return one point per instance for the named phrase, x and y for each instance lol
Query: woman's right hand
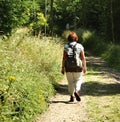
(63, 70)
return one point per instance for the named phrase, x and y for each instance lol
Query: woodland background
(99, 15)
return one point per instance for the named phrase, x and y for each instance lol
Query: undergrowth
(29, 73)
(100, 47)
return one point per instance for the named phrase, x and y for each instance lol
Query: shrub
(28, 76)
(112, 56)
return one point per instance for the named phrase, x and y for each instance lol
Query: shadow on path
(97, 88)
(63, 89)
(98, 63)
(100, 89)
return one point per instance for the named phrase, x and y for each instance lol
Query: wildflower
(41, 17)
(12, 78)
(42, 100)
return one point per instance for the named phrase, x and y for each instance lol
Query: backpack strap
(73, 47)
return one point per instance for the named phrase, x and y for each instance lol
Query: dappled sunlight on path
(105, 69)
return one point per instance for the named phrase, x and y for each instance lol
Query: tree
(116, 19)
(39, 22)
(12, 14)
(15, 14)
(51, 16)
(112, 21)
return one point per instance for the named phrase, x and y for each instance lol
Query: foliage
(112, 56)
(16, 14)
(99, 15)
(99, 47)
(39, 22)
(28, 77)
(13, 14)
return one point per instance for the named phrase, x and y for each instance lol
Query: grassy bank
(29, 73)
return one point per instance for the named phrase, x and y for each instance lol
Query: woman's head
(72, 37)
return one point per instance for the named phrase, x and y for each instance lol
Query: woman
(74, 77)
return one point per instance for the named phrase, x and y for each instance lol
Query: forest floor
(101, 85)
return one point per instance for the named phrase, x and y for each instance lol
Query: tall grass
(100, 47)
(29, 73)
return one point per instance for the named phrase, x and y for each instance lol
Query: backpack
(73, 62)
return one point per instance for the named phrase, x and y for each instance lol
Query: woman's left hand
(84, 70)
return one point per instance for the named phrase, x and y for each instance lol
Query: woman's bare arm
(63, 62)
(83, 61)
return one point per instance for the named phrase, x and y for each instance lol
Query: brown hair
(72, 37)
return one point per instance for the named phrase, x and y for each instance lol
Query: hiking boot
(71, 99)
(77, 97)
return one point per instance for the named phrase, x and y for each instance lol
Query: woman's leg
(71, 83)
(78, 78)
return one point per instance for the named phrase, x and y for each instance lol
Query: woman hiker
(74, 74)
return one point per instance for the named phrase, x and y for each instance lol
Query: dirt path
(62, 111)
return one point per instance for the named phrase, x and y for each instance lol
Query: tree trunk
(51, 19)
(112, 22)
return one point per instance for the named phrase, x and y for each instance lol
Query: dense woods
(51, 16)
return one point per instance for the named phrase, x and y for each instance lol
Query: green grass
(29, 73)
(103, 96)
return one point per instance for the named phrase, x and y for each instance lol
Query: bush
(112, 56)
(28, 76)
